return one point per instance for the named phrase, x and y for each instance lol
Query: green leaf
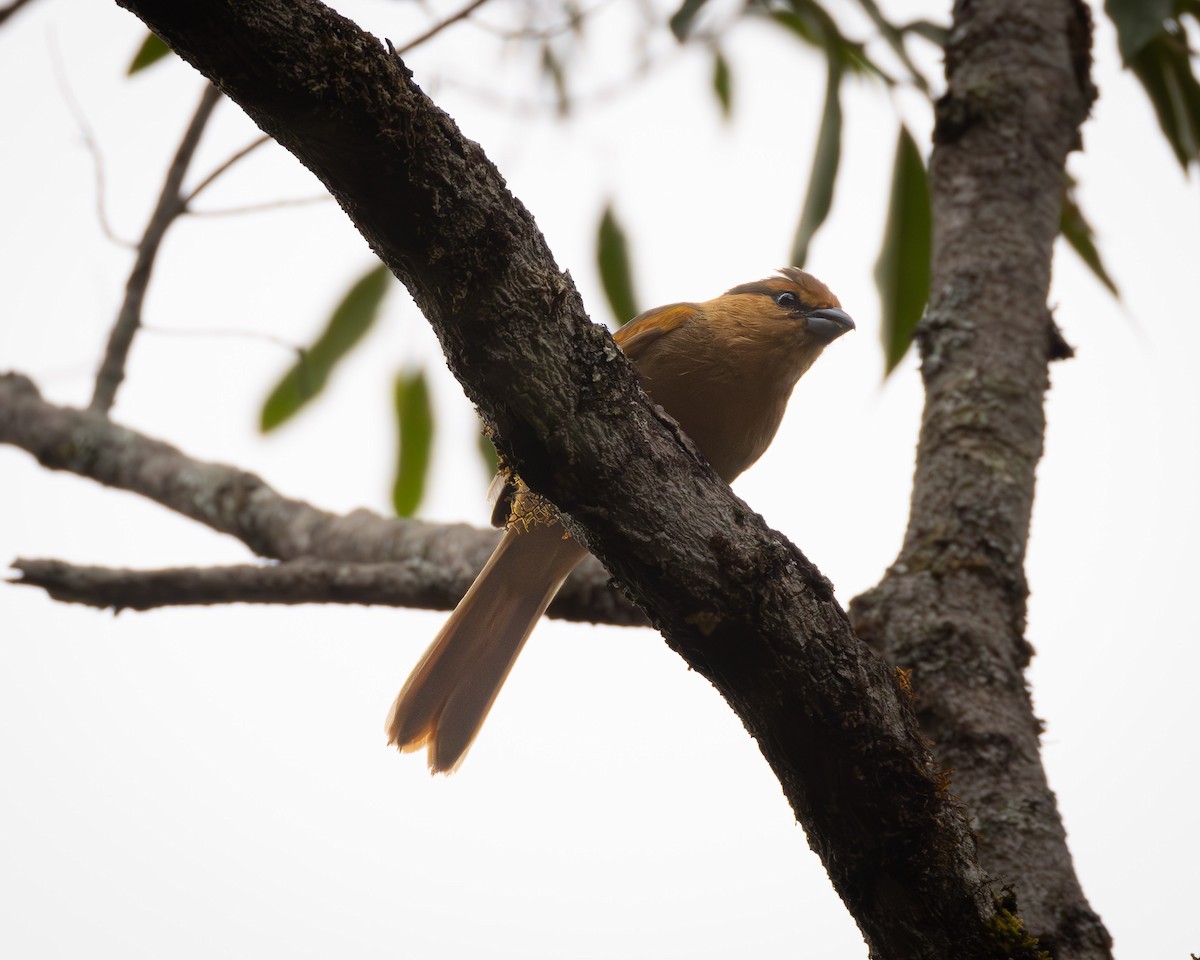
(721, 84)
(825, 166)
(553, 68)
(798, 25)
(811, 23)
(902, 271)
(414, 422)
(1154, 42)
(681, 20)
(348, 323)
(895, 39)
(1137, 22)
(612, 256)
(1078, 233)
(1164, 68)
(151, 51)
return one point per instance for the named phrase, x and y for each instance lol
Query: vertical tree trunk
(952, 606)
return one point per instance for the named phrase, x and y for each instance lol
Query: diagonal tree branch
(358, 558)
(170, 205)
(736, 600)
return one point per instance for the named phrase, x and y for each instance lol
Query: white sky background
(214, 782)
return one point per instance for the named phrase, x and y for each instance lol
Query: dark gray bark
(740, 603)
(952, 606)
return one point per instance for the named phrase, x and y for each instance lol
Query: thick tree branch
(952, 607)
(398, 562)
(170, 205)
(737, 601)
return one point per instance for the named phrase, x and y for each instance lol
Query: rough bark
(952, 606)
(741, 604)
(358, 558)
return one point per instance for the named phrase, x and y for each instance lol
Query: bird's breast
(731, 420)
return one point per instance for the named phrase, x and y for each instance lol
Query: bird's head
(799, 300)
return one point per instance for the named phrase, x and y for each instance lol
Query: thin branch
(437, 28)
(6, 12)
(240, 154)
(426, 564)
(170, 205)
(602, 95)
(405, 583)
(233, 333)
(261, 207)
(573, 22)
(93, 148)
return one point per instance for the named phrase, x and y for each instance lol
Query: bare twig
(399, 562)
(406, 583)
(604, 94)
(93, 148)
(244, 152)
(170, 205)
(437, 28)
(228, 332)
(261, 207)
(573, 22)
(6, 12)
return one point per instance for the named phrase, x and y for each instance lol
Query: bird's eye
(787, 300)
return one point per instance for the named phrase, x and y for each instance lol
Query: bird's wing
(647, 328)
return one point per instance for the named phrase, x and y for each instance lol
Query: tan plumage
(724, 369)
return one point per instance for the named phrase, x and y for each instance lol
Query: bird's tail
(452, 688)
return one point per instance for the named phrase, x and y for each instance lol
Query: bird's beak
(829, 323)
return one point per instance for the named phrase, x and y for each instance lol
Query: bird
(724, 369)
